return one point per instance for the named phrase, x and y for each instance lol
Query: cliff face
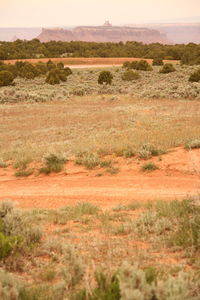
(104, 34)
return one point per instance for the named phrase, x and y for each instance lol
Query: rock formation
(105, 33)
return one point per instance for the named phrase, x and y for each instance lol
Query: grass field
(103, 124)
(80, 162)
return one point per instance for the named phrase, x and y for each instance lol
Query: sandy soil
(178, 177)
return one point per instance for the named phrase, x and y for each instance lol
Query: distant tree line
(22, 49)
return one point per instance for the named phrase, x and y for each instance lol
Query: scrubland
(132, 250)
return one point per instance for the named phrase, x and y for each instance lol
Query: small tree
(157, 62)
(167, 68)
(105, 77)
(67, 71)
(130, 75)
(55, 76)
(6, 78)
(195, 76)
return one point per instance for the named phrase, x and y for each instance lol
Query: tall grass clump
(53, 164)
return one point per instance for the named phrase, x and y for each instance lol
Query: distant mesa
(105, 33)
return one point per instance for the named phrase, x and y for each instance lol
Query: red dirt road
(177, 177)
(84, 60)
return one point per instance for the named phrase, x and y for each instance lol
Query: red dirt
(177, 177)
(83, 60)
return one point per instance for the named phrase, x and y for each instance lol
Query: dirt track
(178, 177)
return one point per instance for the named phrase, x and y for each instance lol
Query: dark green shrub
(68, 71)
(7, 245)
(143, 65)
(53, 164)
(107, 289)
(126, 64)
(195, 76)
(52, 78)
(55, 76)
(130, 75)
(157, 62)
(26, 70)
(149, 167)
(41, 68)
(167, 68)
(105, 77)
(23, 173)
(6, 78)
(60, 66)
(50, 65)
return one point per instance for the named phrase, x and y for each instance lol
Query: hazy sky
(46, 13)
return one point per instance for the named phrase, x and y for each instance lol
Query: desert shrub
(8, 244)
(89, 160)
(23, 173)
(52, 78)
(16, 232)
(105, 77)
(157, 62)
(105, 164)
(195, 76)
(26, 70)
(6, 78)
(194, 144)
(60, 66)
(55, 76)
(167, 68)
(68, 71)
(141, 65)
(3, 164)
(41, 68)
(50, 65)
(149, 167)
(107, 289)
(53, 164)
(147, 151)
(129, 75)
(135, 284)
(126, 64)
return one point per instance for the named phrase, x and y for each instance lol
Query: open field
(105, 181)
(85, 60)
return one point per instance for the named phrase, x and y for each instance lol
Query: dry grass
(95, 124)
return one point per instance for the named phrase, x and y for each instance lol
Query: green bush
(129, 75)
(157, 62)
(50, 65)
(195, 76)
(6, 78)
(105, 77)
(55, 76)
(26, 70)
(68, 71)
(53, 164)
(194, 144)
(141, 65)
(107, 289)
(149, 167)
(41, 68)
(8, 244)
(167, 68)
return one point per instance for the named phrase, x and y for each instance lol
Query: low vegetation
(135, 264)
(195, 76)
(167, 68)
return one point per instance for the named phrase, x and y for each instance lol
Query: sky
(59, 13)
